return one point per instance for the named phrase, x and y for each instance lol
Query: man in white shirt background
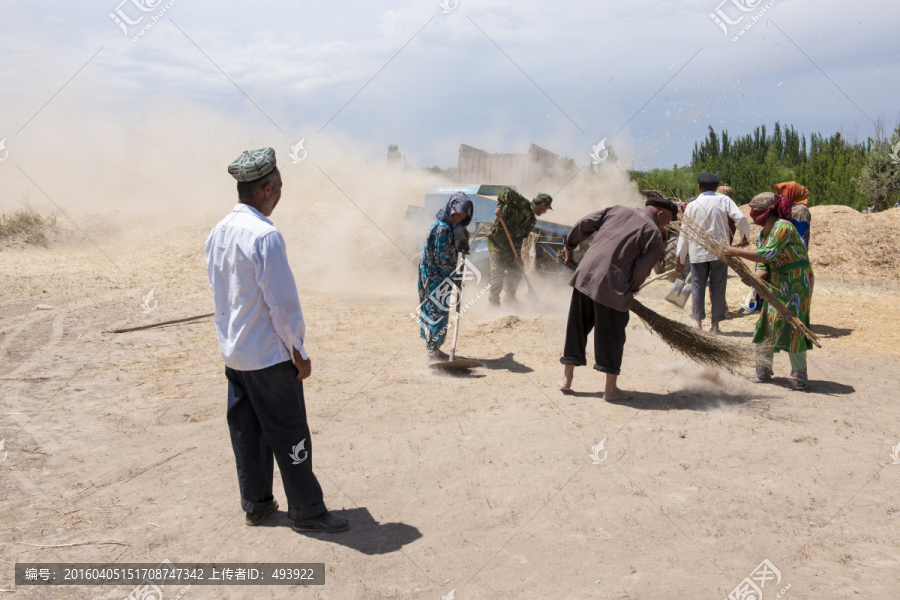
(261, 331)
(711, 210)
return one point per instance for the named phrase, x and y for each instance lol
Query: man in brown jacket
(626, 246)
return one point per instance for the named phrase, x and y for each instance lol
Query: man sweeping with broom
(627, 244)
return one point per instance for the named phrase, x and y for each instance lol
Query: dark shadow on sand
(473, 373)
(507, 363)
(828, 388)
(680, 400)
(366, 535)
(830, 332)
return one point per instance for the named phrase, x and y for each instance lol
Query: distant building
(525, 171)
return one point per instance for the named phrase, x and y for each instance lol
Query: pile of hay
(847, 243)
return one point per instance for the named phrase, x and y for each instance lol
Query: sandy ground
(480, 485)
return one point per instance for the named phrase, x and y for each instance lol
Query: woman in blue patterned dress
(438, 275)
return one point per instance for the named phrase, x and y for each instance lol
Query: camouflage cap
(253, 164)
(545, 199)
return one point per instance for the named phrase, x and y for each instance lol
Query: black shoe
(255, 518)
(327, 522)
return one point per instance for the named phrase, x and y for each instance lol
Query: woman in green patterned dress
(782, 258)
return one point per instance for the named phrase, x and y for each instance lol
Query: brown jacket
(626, 246)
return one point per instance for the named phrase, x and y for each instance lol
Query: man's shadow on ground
(703, 400)
(365, 535)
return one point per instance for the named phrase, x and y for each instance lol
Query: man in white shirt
(261, 330)
(711, 210)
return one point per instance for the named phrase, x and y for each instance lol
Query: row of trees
(835, 170)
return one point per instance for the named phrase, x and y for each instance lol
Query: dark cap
(663, 204)
(708, 179)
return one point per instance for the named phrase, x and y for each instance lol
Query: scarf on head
(766, 204)
(458, 203)
(795, 192)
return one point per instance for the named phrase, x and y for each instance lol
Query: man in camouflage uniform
(519, 215)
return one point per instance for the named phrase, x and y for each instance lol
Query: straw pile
(848, 244)
(691, 342)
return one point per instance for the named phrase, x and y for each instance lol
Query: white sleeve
(740, 220)
(275, 279)
(681, 250)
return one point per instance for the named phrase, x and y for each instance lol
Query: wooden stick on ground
(106, 543)
(163, 323)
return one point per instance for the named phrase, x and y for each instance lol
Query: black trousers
(609, 334)
(267, 418)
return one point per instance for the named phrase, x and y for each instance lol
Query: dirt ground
(469, 487)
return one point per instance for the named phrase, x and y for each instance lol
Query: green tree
(879, 178)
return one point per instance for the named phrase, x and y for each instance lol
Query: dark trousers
(266, 418)
(716, 273)
(609, 334)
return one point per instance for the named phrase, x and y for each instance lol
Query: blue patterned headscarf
(458, 203)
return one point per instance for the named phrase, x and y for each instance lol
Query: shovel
(680, 292)
(453, 364)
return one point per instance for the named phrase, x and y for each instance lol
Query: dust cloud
(342, 212)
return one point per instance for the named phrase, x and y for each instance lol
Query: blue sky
(497, 75)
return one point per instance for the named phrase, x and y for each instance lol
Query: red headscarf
(766, 204)
(792, 190)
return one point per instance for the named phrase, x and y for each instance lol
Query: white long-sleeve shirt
(711, 211)
(258, 314)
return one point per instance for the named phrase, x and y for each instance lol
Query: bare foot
(565, 384)
(616, 394)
